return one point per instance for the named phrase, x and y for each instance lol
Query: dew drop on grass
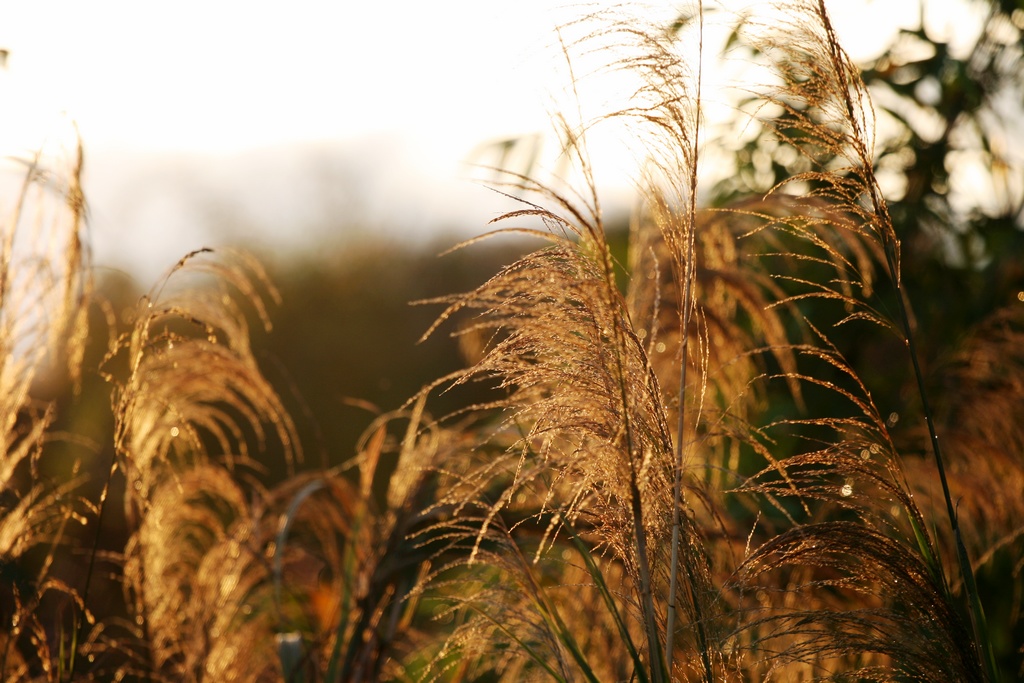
(847, 490)
(865, 454)
(174, 432)
(660, 347)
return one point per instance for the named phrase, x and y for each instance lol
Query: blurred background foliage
(949, 125)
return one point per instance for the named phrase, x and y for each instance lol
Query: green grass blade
(534, 655)
(609, 600)
(977, 612)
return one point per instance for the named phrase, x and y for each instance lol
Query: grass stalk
(654, 646)
(612, 303)
(609, 602)
(689, 278)
(891, 249)
(79, 621)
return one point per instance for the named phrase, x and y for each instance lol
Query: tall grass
(680, 475)
(44, 291)
(628, 446)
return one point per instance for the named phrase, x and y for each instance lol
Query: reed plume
(589, 457)
(45, 288)
(682, 472)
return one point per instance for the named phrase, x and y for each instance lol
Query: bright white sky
(218, 78)
(224, 75)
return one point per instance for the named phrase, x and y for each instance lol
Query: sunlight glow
(231, 75)
(175, 102)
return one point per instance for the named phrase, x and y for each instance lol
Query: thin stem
(891, 248)
(687, 308)
(636, 505)
(79, 621)
(596, 231)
